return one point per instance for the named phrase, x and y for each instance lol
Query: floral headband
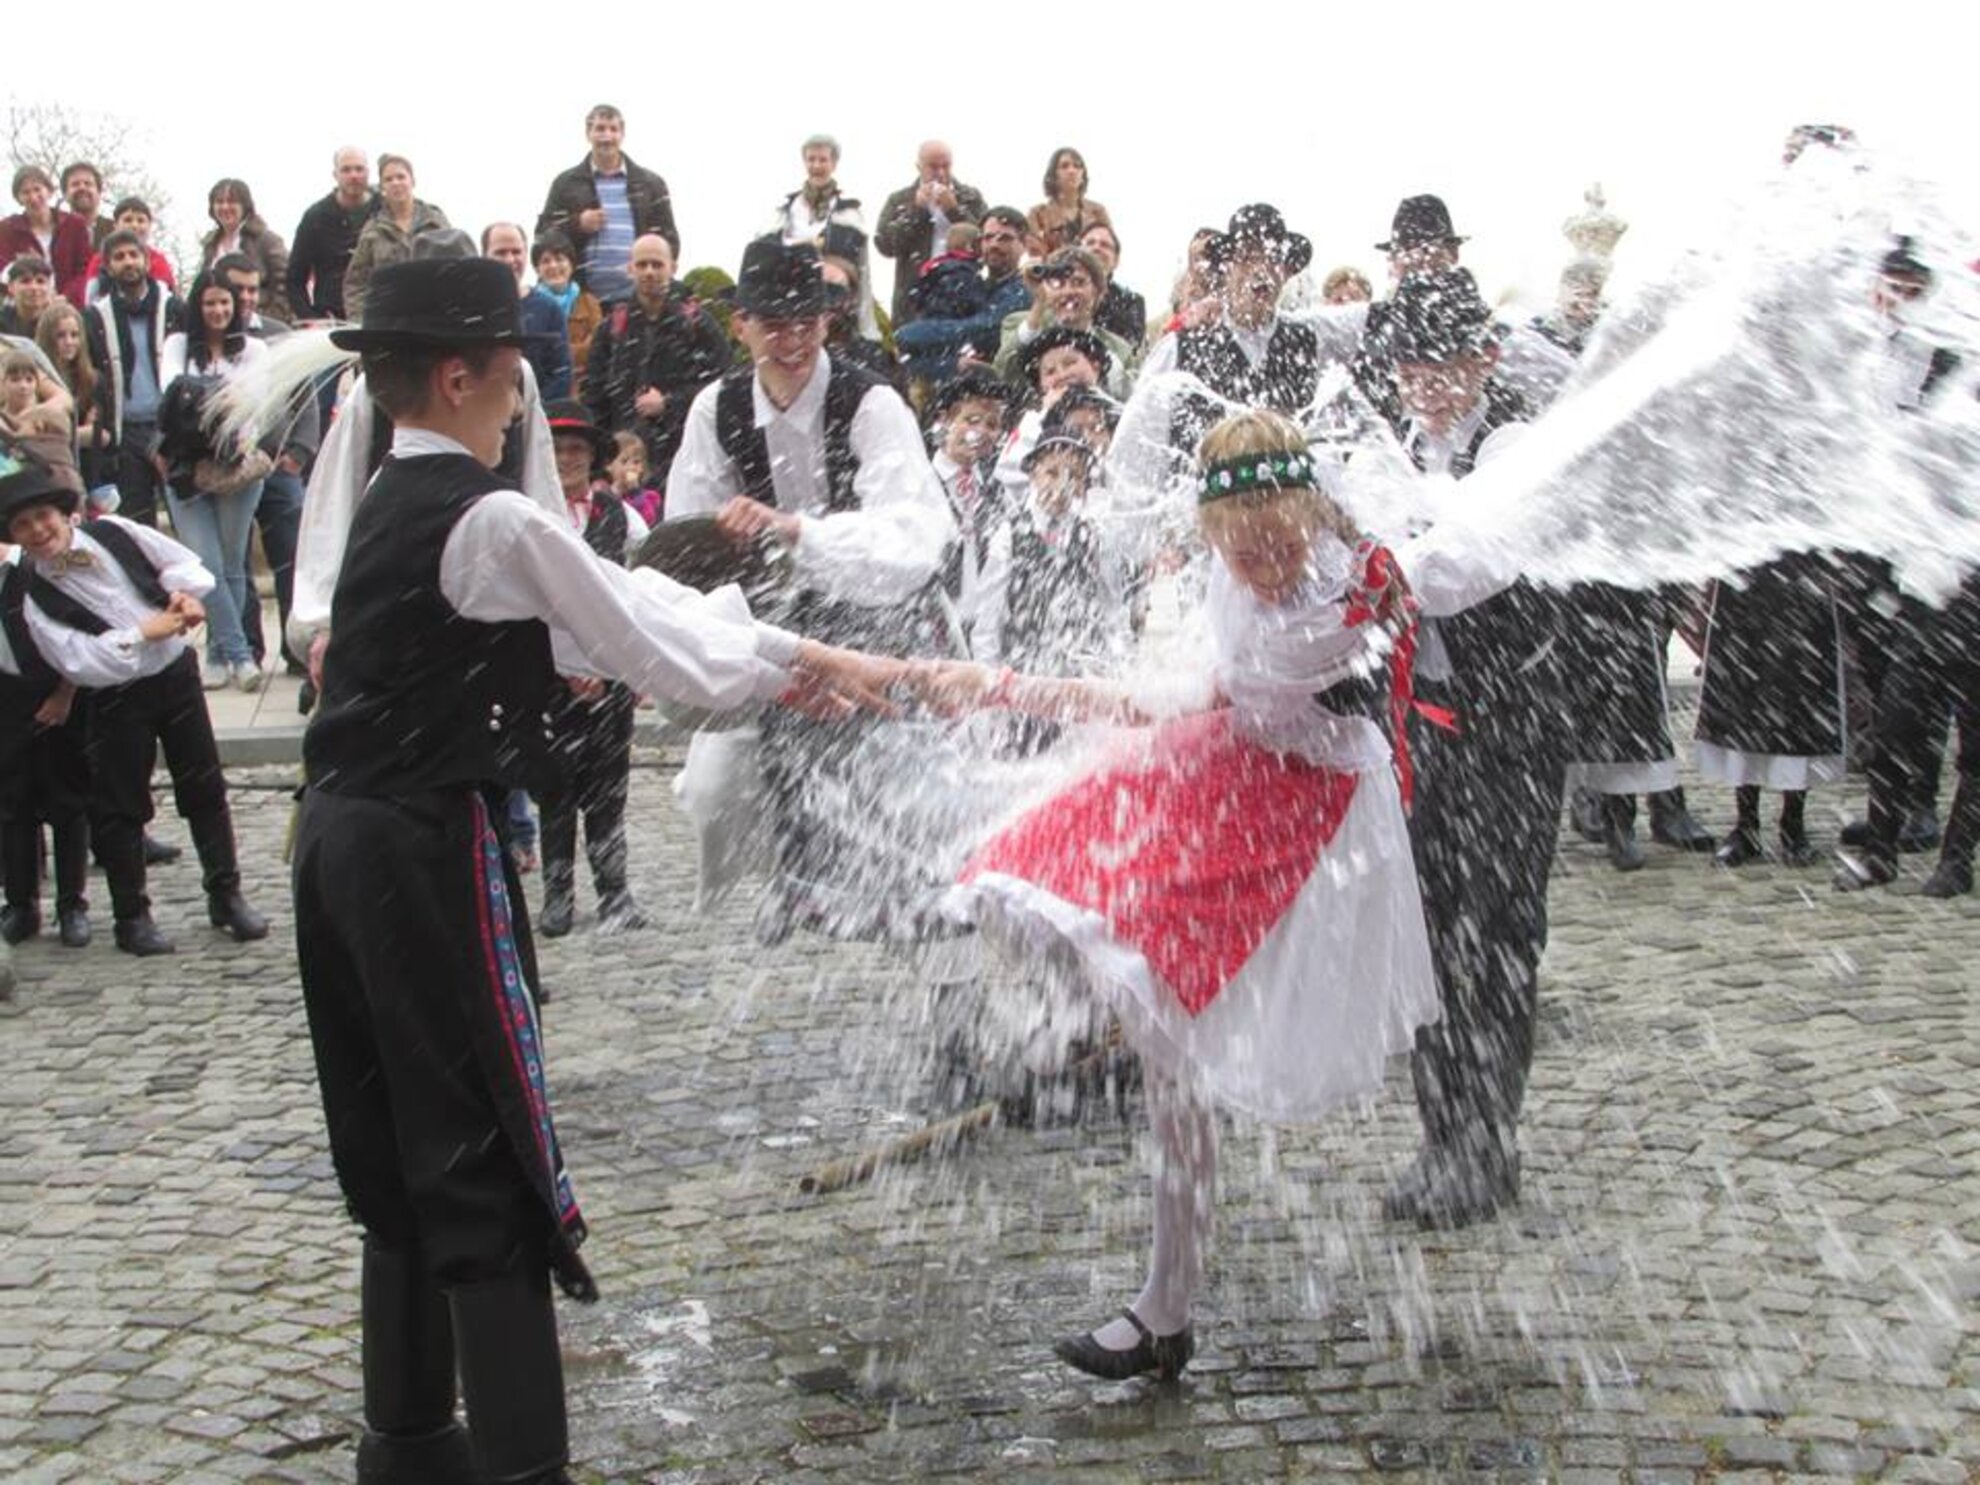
(1256, 472)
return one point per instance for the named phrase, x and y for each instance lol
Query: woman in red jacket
(42, 231)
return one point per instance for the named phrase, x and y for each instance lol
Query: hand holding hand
(953, 687)
(830, 682)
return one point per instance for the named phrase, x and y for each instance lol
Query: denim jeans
(217, 528)
(280, 517)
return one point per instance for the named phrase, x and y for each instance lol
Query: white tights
(1185, 1181)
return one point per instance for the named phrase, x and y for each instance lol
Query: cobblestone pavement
(1750, 1247)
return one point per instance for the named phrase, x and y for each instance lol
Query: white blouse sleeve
(887, 550)
(507, 559)
(335, 483)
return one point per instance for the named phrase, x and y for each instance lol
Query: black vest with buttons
(1284, 381)
(416, 697)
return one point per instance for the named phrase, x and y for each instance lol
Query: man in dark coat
(1490, 753)
(915, 222)
(654, 351)
(605, 203)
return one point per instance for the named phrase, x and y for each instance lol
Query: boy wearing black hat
(107, 606)
(1490, 771)
(592, 719)
(412, 936)
(827, 460)
(44, 778)
(966, 425)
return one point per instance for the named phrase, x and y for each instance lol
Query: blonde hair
(1258, 432)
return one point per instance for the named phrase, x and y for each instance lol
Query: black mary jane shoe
(1164, 1355)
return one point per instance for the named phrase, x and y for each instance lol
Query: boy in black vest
(108, 606)
(828, 460)
(1490, 747)
(44, 778)
(418, 969)
(965, 424)
(592, 719)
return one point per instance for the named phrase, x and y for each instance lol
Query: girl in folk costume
(1770, 715)
(1235, 885)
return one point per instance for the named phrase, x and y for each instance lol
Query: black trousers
(127, 726)
(594, 750)
(44, 778)
(137, 477)
(423, 1048)
(1934, 668)
(1483, 829)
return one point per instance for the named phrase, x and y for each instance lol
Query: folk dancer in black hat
(44, 776)
(592, 719)
(825, 459)
(1423, 240)
(108, 606)
(1886, 624)
(1490, 747)
(414, 943)
(1249, 353)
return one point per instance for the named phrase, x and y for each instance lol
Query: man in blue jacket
(929, 348)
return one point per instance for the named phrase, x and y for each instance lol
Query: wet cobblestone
(1749, 1248)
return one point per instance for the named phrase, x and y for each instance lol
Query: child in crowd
(1064, 612)
(627, 477)
(1235, 885)
(1057, 362)
(43, 776)
(965, 424)
(591, 720)
(108, 606)
(950, 286)
(44, 428)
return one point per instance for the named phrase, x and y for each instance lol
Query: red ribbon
(1382, 595)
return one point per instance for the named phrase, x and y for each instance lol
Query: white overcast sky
(1182, 112)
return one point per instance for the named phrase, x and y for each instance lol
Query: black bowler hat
(842, 240)
(1260, 223)
(27, 481)
(1077, 399)
(1085, 342)
(974, 381)
(568, 416)
(783, 281)
(1419, 221)
(442, 302)
(1436, 317)
(1902, 261)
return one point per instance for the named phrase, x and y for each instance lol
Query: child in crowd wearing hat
(44, 778)
(1235, 884)
(591, 719)
(1058, 361)
(966, 423)
(108, 605)
(1064, 611)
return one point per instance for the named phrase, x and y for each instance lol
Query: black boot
(1954, 875)
(559, 898)
(411, 1437)
(1742, 843)
(213, 838)
(1671, 823)
(140, 936)
(1619, 832)
(1796, 849)
(1585, 811)
(617, 912)
(512, 1374)
(72, 880)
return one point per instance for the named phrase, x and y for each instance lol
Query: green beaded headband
(1256, 472)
